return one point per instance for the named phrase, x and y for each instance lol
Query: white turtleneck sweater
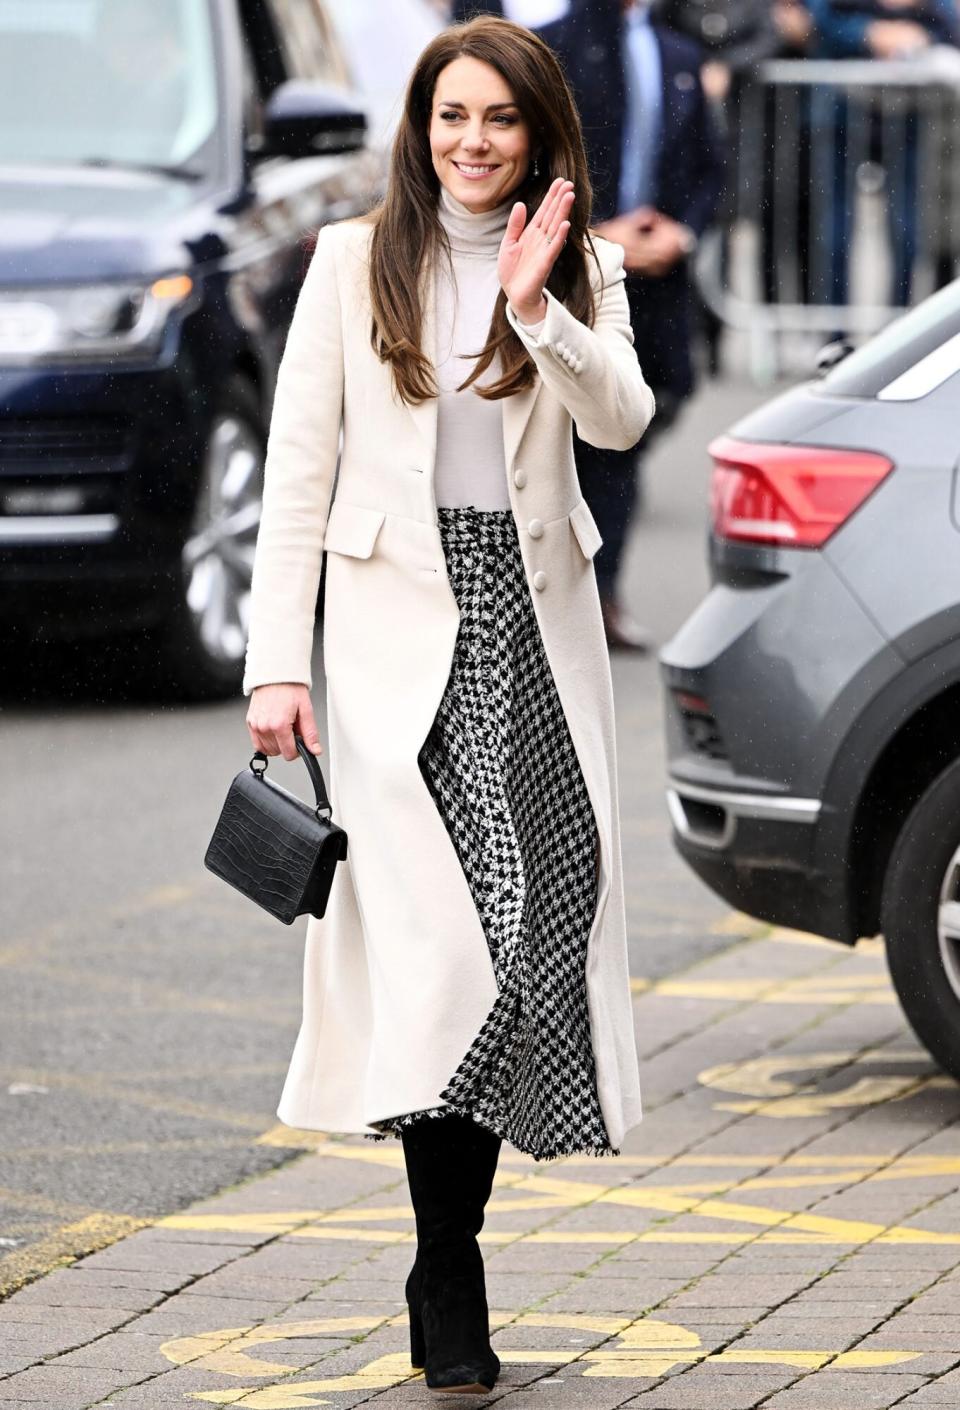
(470, 468)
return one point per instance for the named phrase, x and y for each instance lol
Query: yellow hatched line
(867, 988)
(75, 1240)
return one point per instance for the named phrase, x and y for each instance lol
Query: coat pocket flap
(352, 529)
(584, 527)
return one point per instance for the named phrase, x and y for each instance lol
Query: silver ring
(549, 239)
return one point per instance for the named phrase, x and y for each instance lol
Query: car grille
(55, 445)
(61, 466)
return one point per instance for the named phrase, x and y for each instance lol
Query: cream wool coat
(398, 978)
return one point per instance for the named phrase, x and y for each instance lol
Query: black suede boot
(451, 1162)
(418, 1350)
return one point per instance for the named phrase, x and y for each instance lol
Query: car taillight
(795, 496)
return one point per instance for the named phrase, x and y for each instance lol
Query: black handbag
(275, 848)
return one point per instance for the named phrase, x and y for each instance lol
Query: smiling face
(479, 142)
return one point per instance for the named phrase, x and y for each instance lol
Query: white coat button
(539, 581)
(535, 528)
(562, 349)
(519, 478)
(578, 365)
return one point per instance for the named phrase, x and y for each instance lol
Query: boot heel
(418, 1346)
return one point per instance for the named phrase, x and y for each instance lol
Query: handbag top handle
(313, 769)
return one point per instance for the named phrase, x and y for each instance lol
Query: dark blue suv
(160, 164)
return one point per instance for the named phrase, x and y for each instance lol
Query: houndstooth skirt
(501, 767)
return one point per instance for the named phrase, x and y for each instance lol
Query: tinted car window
(898, 347)
(101, 81)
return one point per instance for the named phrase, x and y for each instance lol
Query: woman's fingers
(286, 746)
(307, 728)
(561, 211)
(556, 243)
(529, 252)
(564, 188)
(275, 712)
(545, 210)
(516, 221)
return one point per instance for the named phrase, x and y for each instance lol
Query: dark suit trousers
(660, 317)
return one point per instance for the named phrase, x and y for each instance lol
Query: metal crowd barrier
(843, 199)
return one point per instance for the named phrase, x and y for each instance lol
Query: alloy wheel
(218, 555)
(948, 922)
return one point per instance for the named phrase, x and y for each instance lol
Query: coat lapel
(516, 414)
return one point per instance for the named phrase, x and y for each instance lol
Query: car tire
(920, 919)
(204, 639)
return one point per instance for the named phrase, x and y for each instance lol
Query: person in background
(736, 36)
(870, 29)
(786, 228)
(656, 162)
(532, 13)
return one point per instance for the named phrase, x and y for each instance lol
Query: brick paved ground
(783, 1230)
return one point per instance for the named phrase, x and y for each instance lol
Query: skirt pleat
(501, 767)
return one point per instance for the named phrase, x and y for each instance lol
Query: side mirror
(303, 119)
(831, 354)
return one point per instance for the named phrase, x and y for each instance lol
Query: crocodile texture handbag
(276, 849)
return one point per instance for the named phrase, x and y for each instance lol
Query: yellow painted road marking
(777, 1095)
(292, 1137)
(867, 988)
(645, 1347)
(509, 1160)
(833, 1230)
(814, 1360)
(700, 1199)
(779, 1226)
(86, 1235)
(744, 927)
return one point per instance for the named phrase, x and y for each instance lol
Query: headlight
(93, 322)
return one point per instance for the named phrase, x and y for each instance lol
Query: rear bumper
(710, 817)
(757, 851)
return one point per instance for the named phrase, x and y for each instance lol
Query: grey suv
(813, 698)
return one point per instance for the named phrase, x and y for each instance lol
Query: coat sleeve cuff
(533, 335)
(529, 332)
(558, 336)
(281, 658)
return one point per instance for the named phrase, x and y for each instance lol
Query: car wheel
(920, 917)
(207, 635)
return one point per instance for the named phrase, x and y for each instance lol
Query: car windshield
(106, 82)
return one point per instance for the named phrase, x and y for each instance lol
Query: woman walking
(469, 982)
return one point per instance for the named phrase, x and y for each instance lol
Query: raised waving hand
(529, 250)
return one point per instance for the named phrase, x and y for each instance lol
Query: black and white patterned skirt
(501, 767)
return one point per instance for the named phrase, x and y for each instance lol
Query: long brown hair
(408, 236)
